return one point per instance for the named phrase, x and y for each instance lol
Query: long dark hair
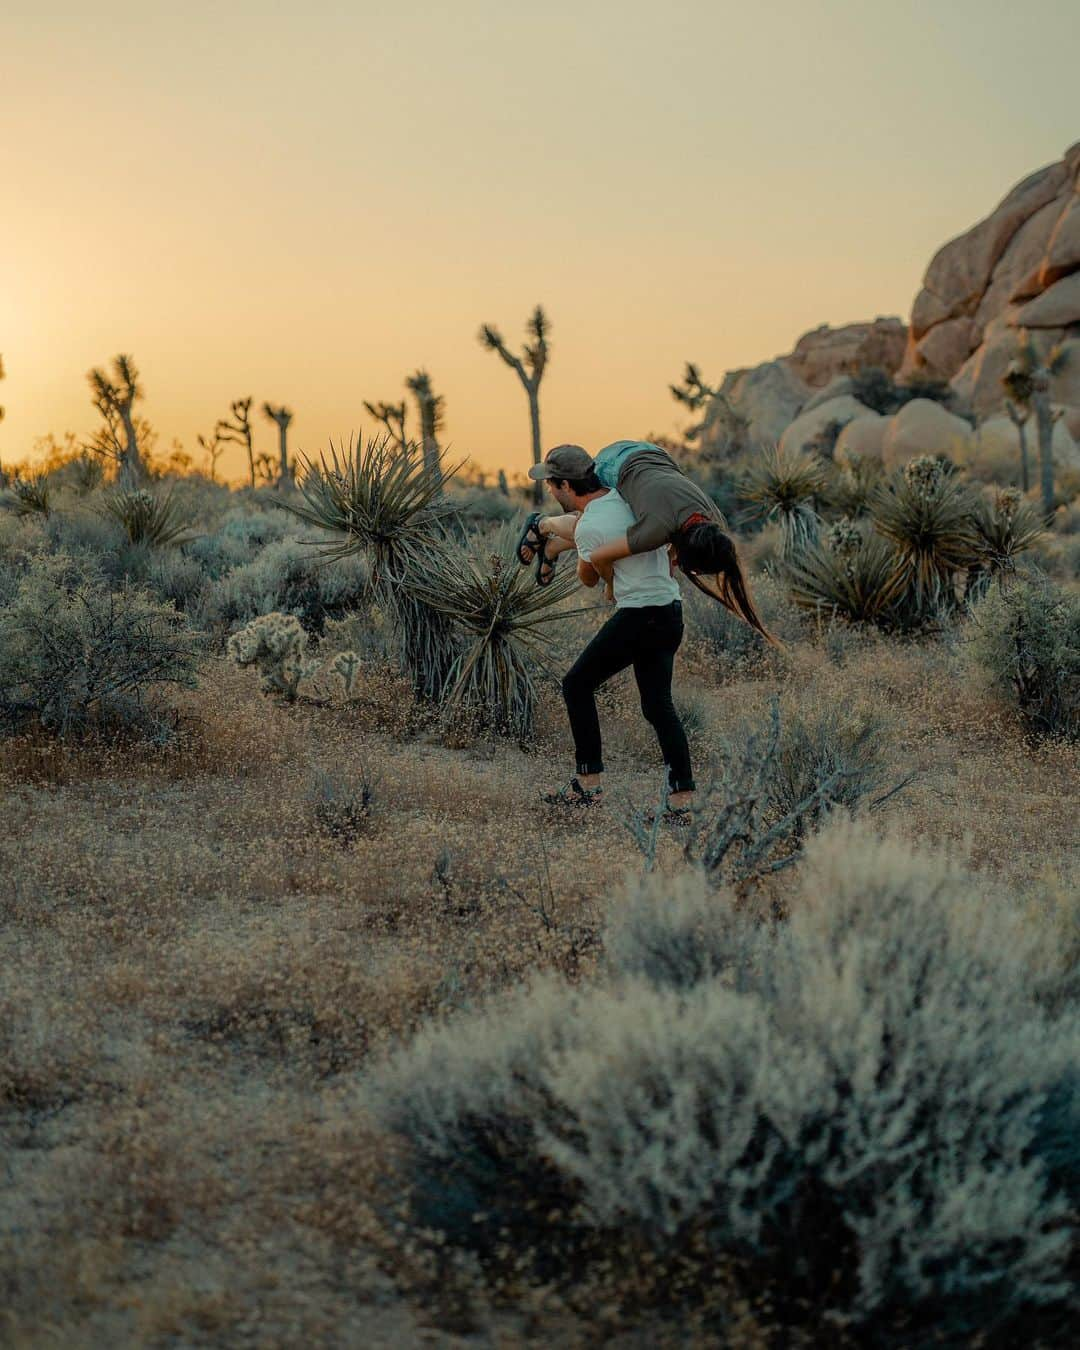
(705, 550)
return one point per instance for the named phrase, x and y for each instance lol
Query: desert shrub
(341, 805)
(1025, 637)
(875, 388)
(148, 518)
(29, 494)
(479, 509)
(239, 537)
(815, 1106)
(291, 577)
(782, 486)
(177, 577)
(276, 645)
(75, 653)
(829, 756)
(500, 614)
(84, 530)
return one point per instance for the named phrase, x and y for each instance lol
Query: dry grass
(195, 976)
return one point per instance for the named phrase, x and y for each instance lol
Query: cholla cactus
(276, 645)
(924, 474)
(347, 665)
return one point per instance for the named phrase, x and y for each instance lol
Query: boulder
(993, 455)
(923, 427)
(946, 347)
(1065, 386)
(862, 438)
(836, 388)
(768, 396)
(824, 353)
(1056, 307)
(1063, 248)
(959, 272)
(809, 425)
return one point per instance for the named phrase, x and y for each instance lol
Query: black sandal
(542, 561)
(573, 794)
(530, 537)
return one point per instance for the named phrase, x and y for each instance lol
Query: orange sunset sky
(306, 202)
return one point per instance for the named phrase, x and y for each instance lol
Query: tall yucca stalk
(385, 499)
(928, 517)
(502, 614)
(1006, 526)
(781, 486)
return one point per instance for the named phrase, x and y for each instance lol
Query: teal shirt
(610, 460)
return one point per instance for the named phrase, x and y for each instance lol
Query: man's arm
(587, 574)
(604, 556)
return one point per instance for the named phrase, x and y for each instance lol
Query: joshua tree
(1018, 416)
(213, 448)
(392, 417)
(694, 393)
(530, 369)
(114, 399)
(1027, 384)
(431, 407)
(239, 430)
(282, 416)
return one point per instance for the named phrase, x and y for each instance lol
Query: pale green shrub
(76, 654)
(276, 645)
(1025, 637)
(851, 1109)
(288, 576)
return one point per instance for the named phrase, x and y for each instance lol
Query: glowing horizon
(308, 206)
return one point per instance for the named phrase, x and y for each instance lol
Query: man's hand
(609, 590)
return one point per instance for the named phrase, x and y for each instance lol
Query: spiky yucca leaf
(929, 519)
(1006, 526)
(378, 494)
(850, 488)
(781, 486)
(29, 496)
(147, 518)
(858, 583)
(481, 589)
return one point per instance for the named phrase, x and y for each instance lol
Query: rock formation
(1018, 268)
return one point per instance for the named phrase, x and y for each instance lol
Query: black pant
(647, 639)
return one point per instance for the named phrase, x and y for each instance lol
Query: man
(644, 632)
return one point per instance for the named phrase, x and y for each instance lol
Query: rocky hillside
(1017, 268)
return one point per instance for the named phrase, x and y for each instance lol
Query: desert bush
(502, 613)
(814, 1106)
(386, 502)
(782, 486)
(276, 645)
(730, 642)
(76, 654)
(1025, 637)
(29, 494)
(177, 577)
(341, 805)
(146, 518)
(292, 577)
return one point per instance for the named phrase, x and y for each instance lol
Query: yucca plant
(501, 614)
(782, 486)
(1006, 526)
(384, 499)
(30, 496)
(928, 517)
(145, 517)
(850, 488)
(855, 579)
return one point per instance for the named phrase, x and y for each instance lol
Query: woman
(669, 509)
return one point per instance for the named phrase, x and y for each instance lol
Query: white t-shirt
(643, 578)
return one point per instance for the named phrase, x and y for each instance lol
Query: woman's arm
(604, 556)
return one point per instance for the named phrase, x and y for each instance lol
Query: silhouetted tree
(431, 408)
(530, 367)
(214, 448)
(694, 394)
(115, 400)
(239, 431)
(1018, 416)
(1027, 384)
(282, 416)
(392, 417)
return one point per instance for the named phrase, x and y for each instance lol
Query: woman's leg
(560, 527)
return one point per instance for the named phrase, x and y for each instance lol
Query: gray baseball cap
(565, 461)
